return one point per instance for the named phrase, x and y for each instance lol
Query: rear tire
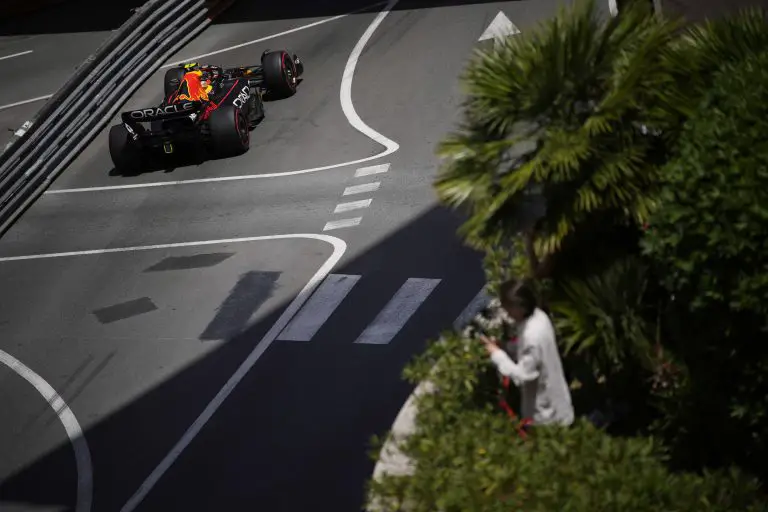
(280, 74)
(125, 156)
(172, 81)
(230, 134)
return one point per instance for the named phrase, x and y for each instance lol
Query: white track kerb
(71, 426)
(347, 106)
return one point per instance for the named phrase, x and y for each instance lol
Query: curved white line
(345, 96)
(72, 427)
(273, 36)
(339, 248)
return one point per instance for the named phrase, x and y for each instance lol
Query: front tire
(280, 74)
(125, 156)
(230, 134)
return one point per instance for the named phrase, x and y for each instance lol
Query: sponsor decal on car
(161, 111)
(242, 98)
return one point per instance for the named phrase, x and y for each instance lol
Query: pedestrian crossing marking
(319, 307)
(397, 311)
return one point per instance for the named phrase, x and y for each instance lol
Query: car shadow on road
(294, 434)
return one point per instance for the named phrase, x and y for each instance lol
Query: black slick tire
(280, 74)
(125, 156)
(172, 81)
(230, 134)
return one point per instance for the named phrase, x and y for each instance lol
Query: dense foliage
(645, 141)
(470, 457)
(710, 242)
(560, 110)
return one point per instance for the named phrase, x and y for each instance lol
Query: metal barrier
(93, 95)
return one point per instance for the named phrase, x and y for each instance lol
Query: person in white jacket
(538, 372)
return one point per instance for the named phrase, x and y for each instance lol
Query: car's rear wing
(146, 115)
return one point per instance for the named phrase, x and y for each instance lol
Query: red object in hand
(525, 422)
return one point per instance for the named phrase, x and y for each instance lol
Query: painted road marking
(474, 307)
(197, 57)
(71, 426)
(16, 55)
(345, 96)
(397, 311)
(342, 223)
(273, 36)
(373, 169)
(500, 28)
(339, 248)
(19, 103)
(360, 189)
(310, 236)
(319, 308)
(352, 205)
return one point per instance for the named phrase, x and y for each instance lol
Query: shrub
(709, 239)
(469, 457)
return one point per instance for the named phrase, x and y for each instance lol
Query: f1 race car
(207, 106)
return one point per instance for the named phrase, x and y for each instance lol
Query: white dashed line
(398, 311)
(343, 223)
(319, 308)
(16, 55)
(71, 426)
(360, 189)
(373, 169)
(353, 205)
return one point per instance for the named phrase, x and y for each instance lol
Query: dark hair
(518, 293)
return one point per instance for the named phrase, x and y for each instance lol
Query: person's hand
(491, 345)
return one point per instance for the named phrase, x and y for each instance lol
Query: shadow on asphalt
(294, 434)
(98, 15)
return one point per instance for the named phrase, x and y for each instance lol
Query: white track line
(474, 307)
(71, 426)
(339, 248)
(345, 96)
(19, 103)
(190, 59)
(398, 311)
(273, 36)
(360, 189)
(342, 223)
(352, 205)
(373, 169)
(319, 308)
(178, 245)
(16, 55)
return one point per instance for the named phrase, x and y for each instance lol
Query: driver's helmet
(191, 66)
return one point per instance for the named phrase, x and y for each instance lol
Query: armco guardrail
(93, 95)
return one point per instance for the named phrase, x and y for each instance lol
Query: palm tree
(567, 111)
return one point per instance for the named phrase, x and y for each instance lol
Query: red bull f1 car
(207, 106)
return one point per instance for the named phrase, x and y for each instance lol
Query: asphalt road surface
(168, 316)
(38, 53)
